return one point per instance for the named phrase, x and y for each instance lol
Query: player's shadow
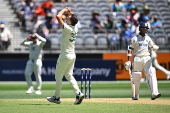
(35, 104)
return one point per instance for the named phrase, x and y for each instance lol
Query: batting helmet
(145, 25)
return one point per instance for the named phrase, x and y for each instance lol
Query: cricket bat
(133, 85)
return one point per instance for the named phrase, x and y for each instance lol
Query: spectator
(108, 24)
(44, 8)
(21, 3)
(5, 36)
(125, 35)
(26, 12)
(135, 28)
(130, 5)
(120, 23)
(146, 10)
(144, 19)
(96, 23)
(64, 2)
(140, 19)
(36, 24)
(43, 32)
(48, 22)
(118, 6)
(51, 18)
(155, 23)
(134, 15)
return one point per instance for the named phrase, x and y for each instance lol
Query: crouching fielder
(142, 62)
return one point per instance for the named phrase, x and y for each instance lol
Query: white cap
(131, 0)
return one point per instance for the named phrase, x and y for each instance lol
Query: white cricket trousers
(64, 67)
(144, 64)
(34, 66)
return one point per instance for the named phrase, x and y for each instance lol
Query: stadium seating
(84, 9)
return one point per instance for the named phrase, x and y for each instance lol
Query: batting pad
(152, 81)
(136, 78)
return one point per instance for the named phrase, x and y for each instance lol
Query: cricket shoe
(134, 98)
(30, 90)
(54, 99)
(79, 98)
(168, 77)
(38, 92)
(155, 96)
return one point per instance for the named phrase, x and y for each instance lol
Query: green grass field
(111, 97)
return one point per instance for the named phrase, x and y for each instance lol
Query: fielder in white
(67, 57)
(143, 62)
(35, 44)
(157, 66)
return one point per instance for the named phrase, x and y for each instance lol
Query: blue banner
(101, 70)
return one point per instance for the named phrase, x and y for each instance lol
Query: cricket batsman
(35, 44)
(142, 62)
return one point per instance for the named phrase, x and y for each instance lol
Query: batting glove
(127, 65)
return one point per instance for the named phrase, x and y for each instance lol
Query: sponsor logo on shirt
(143, 44)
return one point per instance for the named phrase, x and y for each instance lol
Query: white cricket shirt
(67, 41)
(141, 44)
(35, 49)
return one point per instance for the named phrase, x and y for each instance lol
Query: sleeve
(151, 43)
(67, 26)
(132, 44)
(159, 23)
(25, 43)
(68, 29)
(43, 40)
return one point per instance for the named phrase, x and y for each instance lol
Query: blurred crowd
(40, 17)
(127, 25)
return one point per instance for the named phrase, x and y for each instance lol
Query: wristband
(129, 54)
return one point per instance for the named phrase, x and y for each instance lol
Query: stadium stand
(83, 8)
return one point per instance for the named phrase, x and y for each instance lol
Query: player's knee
(68, 77)
(136, 76)
(150, 72)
